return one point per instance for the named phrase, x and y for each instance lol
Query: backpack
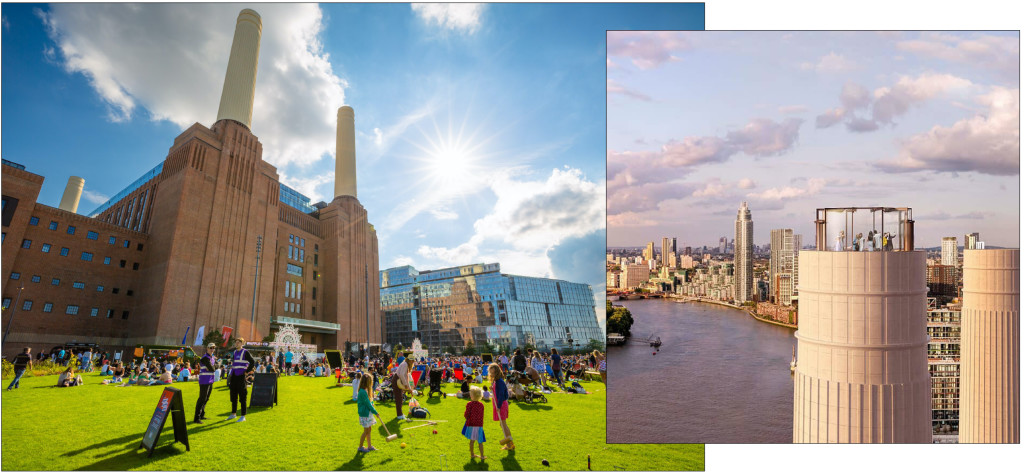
(418, 412)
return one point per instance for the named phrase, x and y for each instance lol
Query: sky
(480, 131)
(699, 122)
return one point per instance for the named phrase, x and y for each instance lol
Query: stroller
(436, 376)
(525, 394)
(385, 393)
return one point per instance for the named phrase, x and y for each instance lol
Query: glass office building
(449, 309)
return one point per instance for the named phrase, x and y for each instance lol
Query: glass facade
(129, 189)
(295, 199)
(448, 309)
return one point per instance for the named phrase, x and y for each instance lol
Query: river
(721, 377)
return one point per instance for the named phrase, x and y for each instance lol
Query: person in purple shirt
(206, 371)
(241, 365)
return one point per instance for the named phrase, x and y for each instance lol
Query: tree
(594, 345)
(619, 320)
(269, 338)
(470, 349)
(449, 349)
(213, 337)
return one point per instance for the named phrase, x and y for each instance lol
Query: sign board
(170, 403)
(334, 358)
(264, 390)
(139, 352)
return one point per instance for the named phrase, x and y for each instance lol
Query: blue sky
(480, 128)
(792, 121)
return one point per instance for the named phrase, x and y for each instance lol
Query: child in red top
(474, 428)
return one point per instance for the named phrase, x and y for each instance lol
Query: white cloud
(444, 214)
(458, 17)
(814, 186)
(987, 142)
(1001, 53)
(527, 220)
(831, 63)
(647, 49)
(746, 184)
(616, 88)
(94, 197)
(309, 185)
(888, 102)
(378, 137)
(793, 109)
(170, 60)
(714, 188)
(400, 261)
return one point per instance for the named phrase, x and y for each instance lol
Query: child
(365, 404)
(499, 395)
(474, 428)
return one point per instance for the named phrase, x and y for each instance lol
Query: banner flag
(200, 333)
(185, 338)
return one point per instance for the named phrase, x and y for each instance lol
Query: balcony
(867, 229)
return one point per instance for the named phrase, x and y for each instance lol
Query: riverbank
(737, 307)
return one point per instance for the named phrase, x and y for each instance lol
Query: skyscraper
(665, 251)
(674, 250)
(780, 267)
(649, 252)
(949, 251)
(744, 256)
(971, 241)
(990, 347)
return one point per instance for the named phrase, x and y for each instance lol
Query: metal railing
(864, 229)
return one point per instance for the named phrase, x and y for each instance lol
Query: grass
(315, 427)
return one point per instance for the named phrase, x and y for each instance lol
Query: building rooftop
(867, 228)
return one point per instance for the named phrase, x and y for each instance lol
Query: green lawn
(315, 427)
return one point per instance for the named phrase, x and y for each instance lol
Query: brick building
(177, 249)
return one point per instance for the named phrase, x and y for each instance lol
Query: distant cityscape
(765, 281)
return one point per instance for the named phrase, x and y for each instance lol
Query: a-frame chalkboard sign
(170, 404)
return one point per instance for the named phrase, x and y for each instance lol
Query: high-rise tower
(345, 154)
(949, 251)
(990, 347)
(744, 255)
(781, 264)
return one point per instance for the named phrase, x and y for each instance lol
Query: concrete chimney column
(240, 81)
(72, 194)
(345, 154)
(990, 347)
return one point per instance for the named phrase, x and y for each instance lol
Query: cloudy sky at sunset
(699, 122)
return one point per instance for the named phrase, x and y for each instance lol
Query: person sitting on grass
(499, 392)
(474, 427)
(164, 379)
(185, 373)
(67, 378)
(365, 407)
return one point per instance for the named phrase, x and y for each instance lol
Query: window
(298, 291)
(36, 279)
(303, 244)
(316, 259)
(314, 293)
(106, 261)
(302, 254)
(294, 270)
(47, 307)
(94, 312)
(71, 310)
(314, 311)
(27, 305)
(7, 303)
(3, 237)
(139, 247)
(78, 285)
(55, 281)
(291, 238)
(290, 251)
(124, 315)
(15, 275)
(87, 256)
(112, 240)
(71, 229)
(115, 290)
(110, 313)
(315, 274)
(127, 243)
(46, 248)
(64, 251)
(123, 263)
(53, 226)
(26, 244)
(316, 248)
(99, 288)
(92, 235)
(135, 266)
(130, 292)
(298, 308)
(33, 221)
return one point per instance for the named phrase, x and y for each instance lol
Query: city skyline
(472, 121)
(837, 119)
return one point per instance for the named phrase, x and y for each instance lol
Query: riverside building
(744, 255)
(944, 368)
(208, 238)
(449, 309)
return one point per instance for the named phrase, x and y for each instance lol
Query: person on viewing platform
(241, 365)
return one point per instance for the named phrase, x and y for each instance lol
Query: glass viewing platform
(864, 229)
